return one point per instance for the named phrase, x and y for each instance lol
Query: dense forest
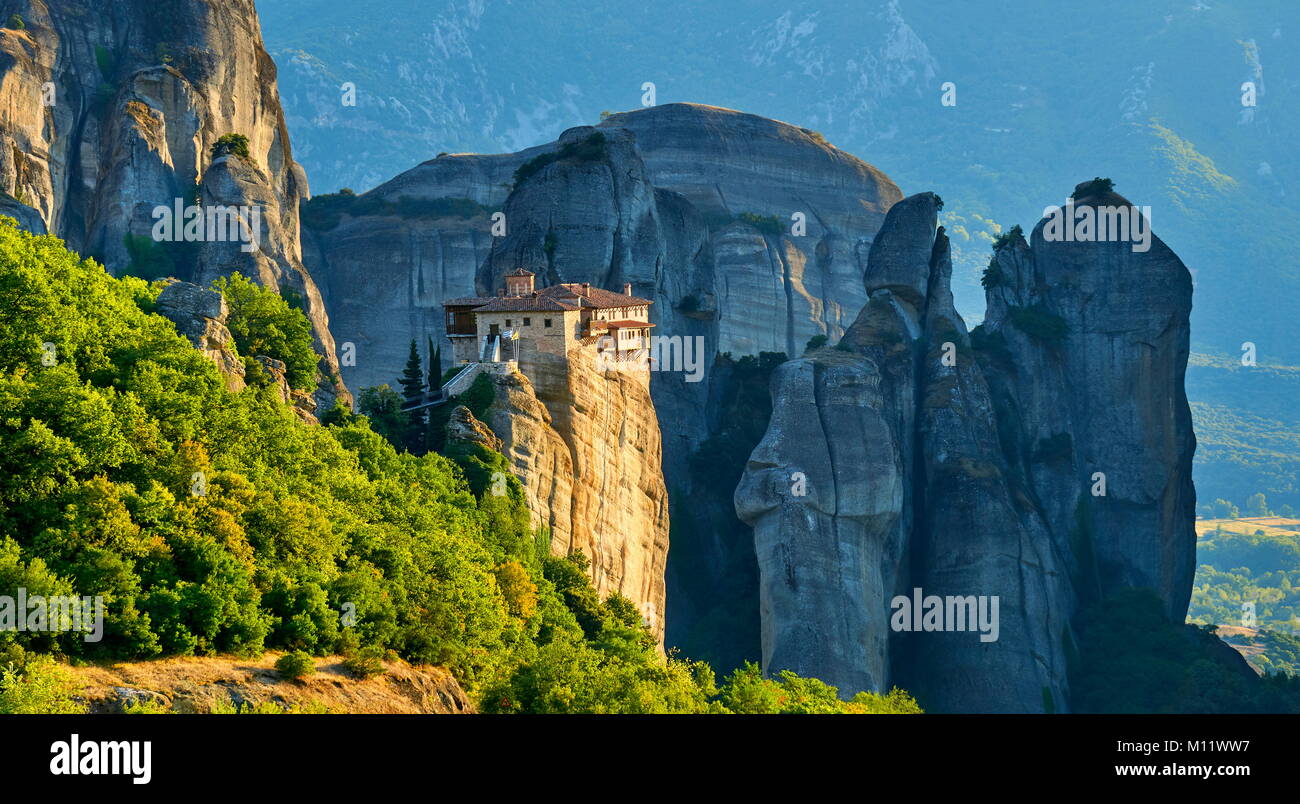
(217, 522)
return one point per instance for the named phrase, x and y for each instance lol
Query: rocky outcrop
(275, 373)
(462, 427)
(200, 315)
(112, 112)
(1043, 460)
(584, 442)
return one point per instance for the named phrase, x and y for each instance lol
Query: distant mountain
(1044, 93)
(1148, 94)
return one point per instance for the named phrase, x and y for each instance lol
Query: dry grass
(198, 685)
(1271, 525)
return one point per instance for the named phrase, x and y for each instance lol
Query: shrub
(591, 149)
(816, 136)
(815, 342)
(149, 259)
(747, 692)
(146, 706)
(1098, 186)
(106, 62)
(767, 224)
(366, 662)
(1009, 236)
(1037, 322)
(323, 212)
(295, 665)
(993, 276)
(236, 144)
(41, 687)
(991, 342)
(16, 22)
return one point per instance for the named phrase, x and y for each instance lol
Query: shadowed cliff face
(659, 205)
(692, 205)
(973, 466)
(113, 109)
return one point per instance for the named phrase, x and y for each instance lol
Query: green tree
(383, 407)
(1257, 505)
(435, 368)
(263, 323)
(412, 382)
(236, 144)
(218, 522)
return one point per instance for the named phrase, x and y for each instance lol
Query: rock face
(749, 234)
(584, 442)
(1044, 461)
(200, 315)
(112, 111)
(691, 204)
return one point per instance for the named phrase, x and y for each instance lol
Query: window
(528, 322)
(546, 322)
(507, 322)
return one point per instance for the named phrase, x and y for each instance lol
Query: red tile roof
(525, 304)
(566, 296)
(596, 297)
(468, 301)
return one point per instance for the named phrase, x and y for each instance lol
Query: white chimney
(627, 288)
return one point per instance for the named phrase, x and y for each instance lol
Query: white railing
(461, 381)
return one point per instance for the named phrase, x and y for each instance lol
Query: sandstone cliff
(111, 110)
(584, 442)
(970, 465)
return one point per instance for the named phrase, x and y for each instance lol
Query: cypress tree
(413, 393)
(435, 368)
